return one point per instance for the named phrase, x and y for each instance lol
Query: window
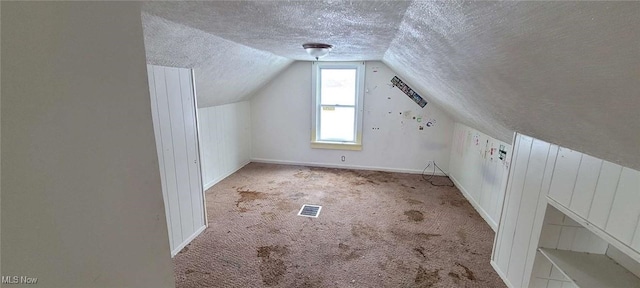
(338, 92)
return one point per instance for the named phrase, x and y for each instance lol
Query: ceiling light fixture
(317, 50)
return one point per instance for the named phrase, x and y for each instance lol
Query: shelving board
(588, 270)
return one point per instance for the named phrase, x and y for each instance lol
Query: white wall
(225, 140)
(81, 201)
(281, 125)
(478, 171)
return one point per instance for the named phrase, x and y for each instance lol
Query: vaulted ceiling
(564, 72)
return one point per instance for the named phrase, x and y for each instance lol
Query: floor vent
(310, 210)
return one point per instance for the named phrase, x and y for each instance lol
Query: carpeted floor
(375, 229)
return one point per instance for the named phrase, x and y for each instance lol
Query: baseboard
(475, 204)
(502, 275)
(341, 166)
(187, 241)
(215, 181)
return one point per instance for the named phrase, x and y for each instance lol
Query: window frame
(316, 105)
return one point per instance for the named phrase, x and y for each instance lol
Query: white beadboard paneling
(227, 146)
(555, 284)
(568, 285)
(478, 172)
(168, 176)
(635, 241)
(527, 209)
(193, 158)
(625, 210)
(511, 212)
(540, 216)
(498, 246)
(567, 236)
(173, 104)
(585, 185)
(564, 175)
(178, 133)
(605, 191)
(539, 283)
(159, 147)
(550, 236)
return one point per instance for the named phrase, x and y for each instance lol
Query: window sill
(336, 146)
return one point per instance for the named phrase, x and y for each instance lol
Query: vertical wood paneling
(540, 215)
(159, 148)
(515, 195)
(479, 175)
(172, 80)
(565, 173)
(635, 242)
(604, 193)
(164, 122)
(499, 246)
(582, 186)
(585, 185)
(527, 210)
(176, 138)
(625, 210)
(193, 161)
(203, 132)
(227, 140)
(215, 162)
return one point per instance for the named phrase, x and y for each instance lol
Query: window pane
(336, 123)
(338, 86)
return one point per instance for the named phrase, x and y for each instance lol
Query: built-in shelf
(587, 270)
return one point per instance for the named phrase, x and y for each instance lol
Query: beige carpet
(375, 229)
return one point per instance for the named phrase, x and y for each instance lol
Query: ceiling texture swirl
(564, 72)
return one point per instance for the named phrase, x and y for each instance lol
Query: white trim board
(217, 180)
(484, 214)
(340, 166)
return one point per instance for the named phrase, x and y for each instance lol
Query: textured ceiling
(359, 30)
(564, 72)
(225, 71)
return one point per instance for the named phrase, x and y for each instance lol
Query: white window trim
(315, 108)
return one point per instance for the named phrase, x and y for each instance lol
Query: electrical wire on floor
(430, 178)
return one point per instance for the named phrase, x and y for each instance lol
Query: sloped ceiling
(564, 72)
(225, 71)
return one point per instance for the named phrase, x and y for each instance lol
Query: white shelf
(587, 270)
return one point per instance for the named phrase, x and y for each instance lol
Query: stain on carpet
(285, 205)
(190, 271)
(269, 216)
(420, 251)
(377, 177)
(462, 235)
(426, 236)
(413, 201)
(455, 276)
(248, 196)
(272, 267)
(467, 272)
(414, 215)
(364, 231)
(426, 278)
